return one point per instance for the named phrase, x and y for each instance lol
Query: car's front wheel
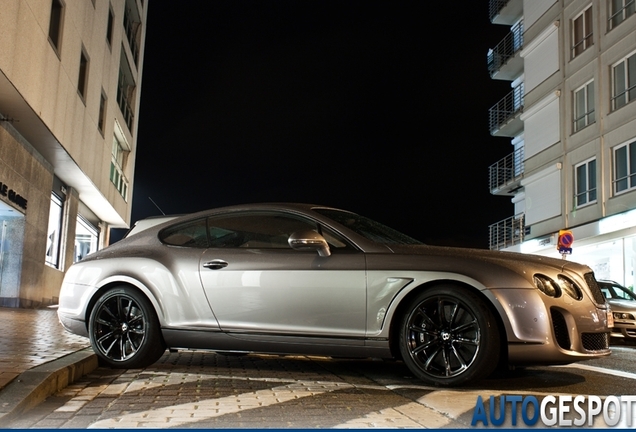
(124, 329)
(449, 337)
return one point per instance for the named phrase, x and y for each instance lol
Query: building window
(54, 232)
(83, 75)
(55, 23)
(585, 183)
(126, 91)
(86, 238)
(582, 32)
(102, 113)
(623, 82)
(620, 10)
(109, 28)
(584, 106)
(116, 168)
(624, 167)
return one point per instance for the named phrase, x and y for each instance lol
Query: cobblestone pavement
(32, 337)
(193, 389)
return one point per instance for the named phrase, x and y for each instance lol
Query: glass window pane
(590, 103)
(190, 234)
(578, 35)
(256, 230)
(86, 237)
(619, 85)
(631, 77)
(581, 186)
(54, 231)
(620, 168)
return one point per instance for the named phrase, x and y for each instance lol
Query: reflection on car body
(306, 279)
(623, 303)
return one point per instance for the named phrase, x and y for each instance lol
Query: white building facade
(70, 80)
(571, 120)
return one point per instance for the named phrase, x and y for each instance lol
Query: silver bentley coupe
(315, 280)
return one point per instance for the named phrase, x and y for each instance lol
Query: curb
(33, 386)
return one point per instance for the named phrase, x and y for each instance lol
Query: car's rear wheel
(449, 337)
(124, 329)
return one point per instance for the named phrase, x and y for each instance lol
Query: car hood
(517, 262)
(622, 305)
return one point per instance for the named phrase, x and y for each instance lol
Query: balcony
(506, 233)
(505, 115)
(504, 60)
(131, 28)
(125, 93)
(506, 174)
(505, 12)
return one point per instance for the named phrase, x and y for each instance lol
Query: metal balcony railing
(506, 49)
(506, 109)
(507, 232)
(507, 170)
(495, 7)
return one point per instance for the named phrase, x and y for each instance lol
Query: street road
(196, 389)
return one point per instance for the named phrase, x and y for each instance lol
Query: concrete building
(70, 79)
(571, 120)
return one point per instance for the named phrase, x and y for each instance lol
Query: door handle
(215, 264)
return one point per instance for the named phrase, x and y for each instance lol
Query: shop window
(624, 167)
(584, 114)
(86, 239)
(582, 35)
(585, 183)
(54, 232)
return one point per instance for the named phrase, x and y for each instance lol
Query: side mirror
(309, 240)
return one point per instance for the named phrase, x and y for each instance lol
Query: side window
(257, 231)
(190, 234)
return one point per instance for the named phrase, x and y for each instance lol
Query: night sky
(379, 107)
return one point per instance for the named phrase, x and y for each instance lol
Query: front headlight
(623, 316)
(547, 286)
(556, 288)
(570, 288)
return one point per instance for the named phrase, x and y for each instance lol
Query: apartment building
(70, 79)
(570, 119)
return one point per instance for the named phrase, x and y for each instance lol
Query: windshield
(368, 228)
(612, 290)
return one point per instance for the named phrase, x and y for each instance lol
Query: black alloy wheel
(448, 337)
(124, 329)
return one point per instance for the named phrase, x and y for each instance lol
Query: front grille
(560, 329)
(595, 341)
(597, 295)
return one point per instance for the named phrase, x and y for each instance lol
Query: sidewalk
(37, 358)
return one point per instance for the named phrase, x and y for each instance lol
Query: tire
(124, 330)
(448, 337)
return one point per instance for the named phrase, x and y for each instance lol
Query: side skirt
(219, 341)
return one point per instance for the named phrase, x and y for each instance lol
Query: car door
(256, 284)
